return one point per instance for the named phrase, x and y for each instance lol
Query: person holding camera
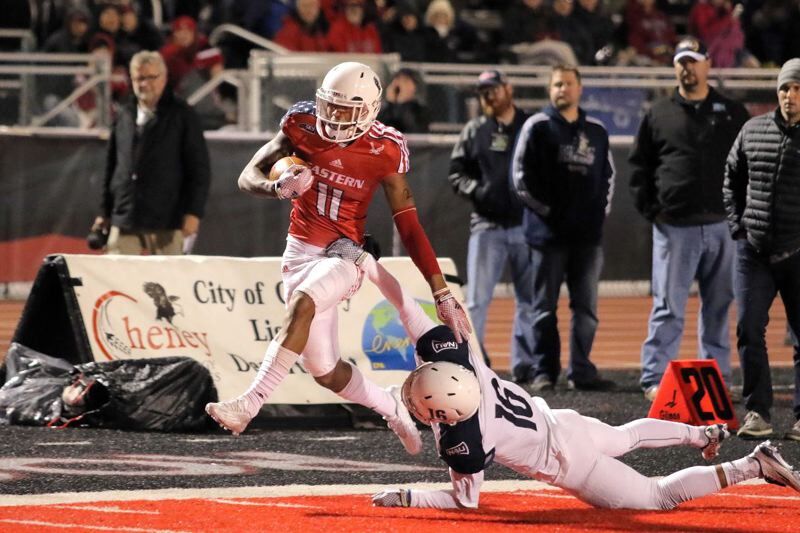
(157, 170)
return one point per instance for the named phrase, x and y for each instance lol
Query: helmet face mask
(348, 102)
(441, 392)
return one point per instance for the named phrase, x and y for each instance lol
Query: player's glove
(293, 182)
(346, 249)
(392, 498)
(452, 314)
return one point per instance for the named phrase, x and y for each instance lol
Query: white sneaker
(231, 415)
(715, 434)
(774, 469)
(403, 425)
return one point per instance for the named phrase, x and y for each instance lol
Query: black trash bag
(161, 394)
(31, 394)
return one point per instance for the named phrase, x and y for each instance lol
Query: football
(282, 164)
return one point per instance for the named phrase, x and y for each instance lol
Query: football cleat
(715, 434)
(403, 425)
(231, 415)
(774, 469)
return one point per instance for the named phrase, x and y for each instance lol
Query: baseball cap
(690, 47)
(490, 78)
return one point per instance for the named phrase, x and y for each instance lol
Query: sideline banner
(223, 312)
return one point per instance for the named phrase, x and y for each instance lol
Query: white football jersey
(511, 427)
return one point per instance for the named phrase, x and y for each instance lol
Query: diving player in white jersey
(478, 418)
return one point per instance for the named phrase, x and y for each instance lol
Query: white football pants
(589, 470)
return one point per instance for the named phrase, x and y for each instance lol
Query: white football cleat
(231, 415)
(715, 434)
(774, 469)
(403, 425)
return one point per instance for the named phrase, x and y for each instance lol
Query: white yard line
(247, 492)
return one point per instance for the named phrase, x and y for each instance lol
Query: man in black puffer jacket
(762, 200)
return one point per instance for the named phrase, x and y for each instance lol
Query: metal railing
(26, 70)
(231, 29)
(275, 79)
(27, 40)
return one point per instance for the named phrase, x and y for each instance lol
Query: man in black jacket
(157, 170)
(563, 171)
(762, 200)
(479, 168)
(677, 162)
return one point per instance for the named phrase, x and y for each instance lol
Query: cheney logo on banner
(120, 331)
(224, 311)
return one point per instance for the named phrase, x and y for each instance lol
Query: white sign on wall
(223, 311)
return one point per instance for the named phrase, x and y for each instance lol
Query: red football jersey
(345, 178)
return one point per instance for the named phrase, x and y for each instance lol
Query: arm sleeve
(464, 494)
(196, 168)
(416, 242)
(643, 161)
(734, 186)
(525, 182)
(463, 178)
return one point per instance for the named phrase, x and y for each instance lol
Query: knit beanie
(790, 72)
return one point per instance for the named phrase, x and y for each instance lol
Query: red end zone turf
(752, 508)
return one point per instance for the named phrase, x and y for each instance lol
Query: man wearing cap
(762, 201)
(677, 161)
(479, 173)
(563, 171)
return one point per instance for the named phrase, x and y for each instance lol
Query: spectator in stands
(448, 39)
(264, 17)
(403, 108)
(353, 32)
(84, 112)
(157, 170)
(73, 37)
(479, 173)
(769, 31)
(533, 36)
(528, 21)
(109, 22)
(677, 161)
(189, 58)
(716, 22)
(590, 18)
(562, 170)
(403, 33)
(141, 32)
(569, 31)
(651, 34)
(305, 28)
(762, 199)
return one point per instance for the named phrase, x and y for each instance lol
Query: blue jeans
(580, 265)
(757, 282)
(489, 250)
(681, 254)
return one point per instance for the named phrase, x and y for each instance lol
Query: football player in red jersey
(349, 154)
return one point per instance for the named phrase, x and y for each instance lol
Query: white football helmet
(441, 392)
(348, 102)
